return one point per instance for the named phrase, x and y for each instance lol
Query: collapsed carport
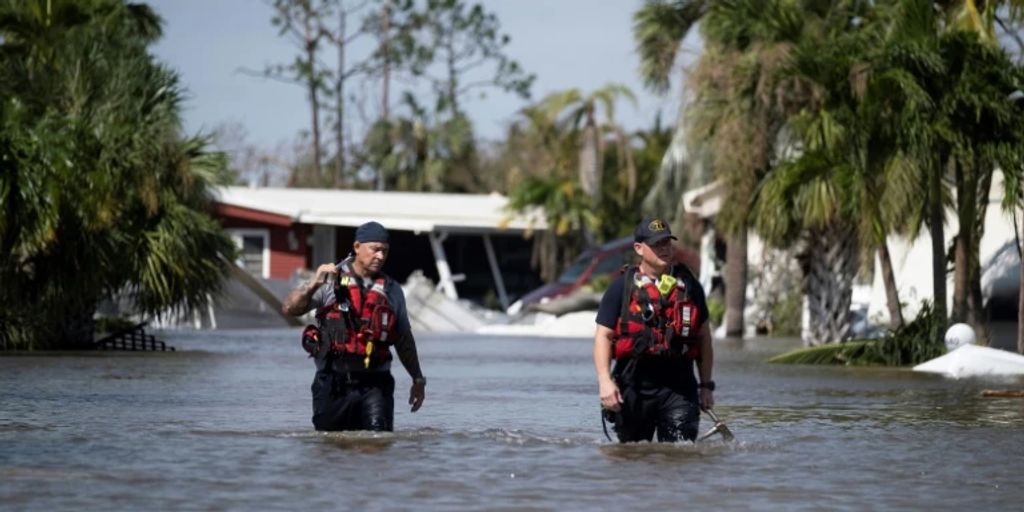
(469, 244)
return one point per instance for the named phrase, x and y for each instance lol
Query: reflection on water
(508, 424)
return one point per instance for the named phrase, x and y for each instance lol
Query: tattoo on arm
(406, 349)
(297, 302)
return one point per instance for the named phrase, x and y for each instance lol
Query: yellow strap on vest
(665, 283)
(369, 350)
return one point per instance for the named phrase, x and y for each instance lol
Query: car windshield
(612, 263)
(572, 273)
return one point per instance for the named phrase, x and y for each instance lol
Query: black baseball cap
(651, 230)
(371, 232)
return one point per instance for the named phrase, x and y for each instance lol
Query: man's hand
(611, 399)
(417, 393)
(297, 302)
(323, 272)
(707, 399)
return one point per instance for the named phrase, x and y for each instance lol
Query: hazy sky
(567, 43)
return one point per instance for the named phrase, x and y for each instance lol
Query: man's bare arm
(297, 302)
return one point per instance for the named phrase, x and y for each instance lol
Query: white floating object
(959, 335)
(972, 360)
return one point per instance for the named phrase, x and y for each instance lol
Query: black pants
(348, 401)
(673, 414)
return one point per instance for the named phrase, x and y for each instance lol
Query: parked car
(603, 261)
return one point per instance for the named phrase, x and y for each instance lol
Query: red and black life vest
(359, 324)
(658, 318)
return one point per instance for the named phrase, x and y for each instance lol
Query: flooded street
(508, 424)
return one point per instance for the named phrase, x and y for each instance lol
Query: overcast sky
(581, 44)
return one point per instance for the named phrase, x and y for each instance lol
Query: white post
(209, 310)
(444, 272)
(499, 282)
(707, 258)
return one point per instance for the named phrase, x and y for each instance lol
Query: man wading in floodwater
(653, 321)
(360, 313)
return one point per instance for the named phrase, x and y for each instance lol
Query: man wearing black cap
(360, 313)
(653, 321)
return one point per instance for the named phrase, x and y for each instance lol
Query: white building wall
(912, 260)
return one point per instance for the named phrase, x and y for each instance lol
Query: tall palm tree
(577, 113)
(102, 194)
(739, 104)
(972, 175)
(569, 134)
(659, 28)
(955, 126)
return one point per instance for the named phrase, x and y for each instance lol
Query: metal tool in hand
(719, 428)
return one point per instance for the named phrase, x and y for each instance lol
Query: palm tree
(102, 195)
(738, 107)
(577, 115)
(740, 102)
(659, 28)
(973, 174)
(956, 127)
(564, 171)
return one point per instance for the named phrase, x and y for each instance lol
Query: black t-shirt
(656, 371)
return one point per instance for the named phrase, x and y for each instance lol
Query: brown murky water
(509, 424)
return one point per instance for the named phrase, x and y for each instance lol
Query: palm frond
(659, 28)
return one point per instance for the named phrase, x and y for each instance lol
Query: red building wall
(284, 261)
(288, 241)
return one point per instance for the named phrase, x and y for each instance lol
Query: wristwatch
(709, 384)
(420, 380)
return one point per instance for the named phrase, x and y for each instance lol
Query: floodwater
(508, 424)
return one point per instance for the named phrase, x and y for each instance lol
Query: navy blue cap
(651, 230)
(371, 232)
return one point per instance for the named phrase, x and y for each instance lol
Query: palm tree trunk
(977, 315)
(972, 199)
(965, 200)
(828, 284)
(1020, 305)
(892, 294)
(735, 283)
(938, 236)
(961, 274)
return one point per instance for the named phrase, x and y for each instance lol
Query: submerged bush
(909, 345)
(913, 343)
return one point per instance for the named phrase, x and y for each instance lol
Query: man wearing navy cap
(360, 313)
(653, 322)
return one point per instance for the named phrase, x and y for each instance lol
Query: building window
(253, 250)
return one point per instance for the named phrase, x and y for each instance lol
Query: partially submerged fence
(132, 338)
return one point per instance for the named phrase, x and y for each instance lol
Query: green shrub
(912, 344)
(785, 314)
(716, 309)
